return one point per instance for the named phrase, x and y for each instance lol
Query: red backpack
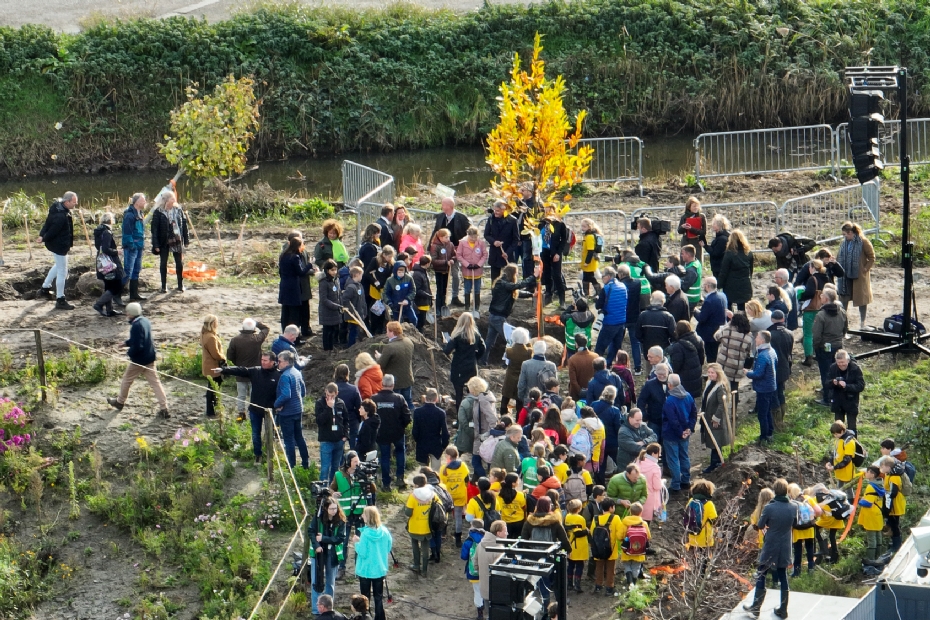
(636, 541)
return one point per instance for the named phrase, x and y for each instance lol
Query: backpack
(861, 453)
(487, 447)
(544, 374)
(581, 442)
(490, 514)
(906, 485)
(575, 488)
(636, 541)
(694, 517)
(438, 517)
(472, 567)
(909, 470)
(837, 503)
(601, 547)
(443, 496)
(806, 515)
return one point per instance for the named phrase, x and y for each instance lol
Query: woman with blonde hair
(411, 242)
(373, 546)
(718, 247)
(368, 375)
(465, 347)
(212, 359)
(590, 274)
(735, 278)
(759, 318)
(169, 235)
(715, 406)
(484, 418)
(693, 227)
(516, 354)
(856, 257)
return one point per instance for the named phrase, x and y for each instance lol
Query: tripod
(908, 341)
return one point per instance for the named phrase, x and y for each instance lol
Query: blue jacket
(283, 344)
(763, 370)
(473, 540)
(372, 551)
(141, 347)
(133, 229)
(678, 414)
(600, 380)
(291, 268)
(399, 288)
(612, 420)
(711, 315)
(651, 401)
(291, 392)
(612, 302)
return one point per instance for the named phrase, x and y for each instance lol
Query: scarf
(850, 254)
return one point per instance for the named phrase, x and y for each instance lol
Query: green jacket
(620, 487)
(506, 456)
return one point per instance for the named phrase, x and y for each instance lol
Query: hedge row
(405, 77)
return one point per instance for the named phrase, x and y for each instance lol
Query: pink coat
(467, 255)
(653, 473)
(407, 241)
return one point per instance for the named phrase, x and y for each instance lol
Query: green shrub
(182, 362)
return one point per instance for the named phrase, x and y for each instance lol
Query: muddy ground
(107, 577)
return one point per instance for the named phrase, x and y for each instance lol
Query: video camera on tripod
(659, 227)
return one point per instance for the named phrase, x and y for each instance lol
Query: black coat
(677, 306)
(367, 439)
(161, 229)
(716, 250)
(264, 385)
(465, 358)
(779, 516)
(291, 268)
(655, 327)
(58, 230)
(458, 228)
(329, 417)
(782, 344)
(686, 356)
(430, 432)
(502, 295)
(330, 307)
(634, 289)
(395, 416)
(349, 394)
(649, 249)
(106, 244)
(846, 399)
(502, 229)
(424, 294)
(735, 277)
(651, 401)
(386, 236)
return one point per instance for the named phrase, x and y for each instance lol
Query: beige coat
(212, 354)
(862, 286)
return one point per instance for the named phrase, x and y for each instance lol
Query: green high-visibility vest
(349, 493)
(571, 329)
(694, 293)
(638, 272)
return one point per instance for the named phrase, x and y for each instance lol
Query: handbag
(106, 266)
(749, 362)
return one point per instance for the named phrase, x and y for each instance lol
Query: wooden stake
(86, 236)
(190, 225)
(28, 240)
(2, 213)
(713, 439)
(219, 241)
(733, 396)
(239, 241)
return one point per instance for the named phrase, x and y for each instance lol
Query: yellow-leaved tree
(535, 145)
(210, 135)
(534, 142)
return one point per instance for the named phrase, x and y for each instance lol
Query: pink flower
(185, 443)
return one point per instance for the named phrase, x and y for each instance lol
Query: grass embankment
(408, 77)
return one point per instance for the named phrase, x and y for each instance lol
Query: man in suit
(457, 224)
(386, 236)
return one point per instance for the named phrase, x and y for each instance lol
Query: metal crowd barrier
(918, 143)
(612, 224)
(819, 216)
(362, 185)
(615, 160)
(760, 151)
(757, 219)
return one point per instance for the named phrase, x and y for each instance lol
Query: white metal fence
(615, 160)
(761, 151)
(889, 135)
(819, 216)
(364, 192)
(613, 224)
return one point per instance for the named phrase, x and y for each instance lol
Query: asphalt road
(70, 15)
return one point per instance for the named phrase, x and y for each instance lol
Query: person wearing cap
(782, 344)
(142, 361)
(543, 525)
(245, 350)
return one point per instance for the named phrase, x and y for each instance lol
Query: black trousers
(290, 315)
(163, 266)
(211, 396)
(442, 285)
(373, 586)
(552, 277)
(303, 321)
(330, 333)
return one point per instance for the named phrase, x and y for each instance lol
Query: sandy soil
(109, 574)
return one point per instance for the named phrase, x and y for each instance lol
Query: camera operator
(649, 248)
(353, 489)
(327, 534)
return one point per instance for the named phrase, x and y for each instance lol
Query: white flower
(58, 125)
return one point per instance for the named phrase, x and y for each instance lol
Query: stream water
(463, 168)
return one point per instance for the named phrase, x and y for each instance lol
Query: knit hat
(133, 309)
(778, 315)
(543, 506)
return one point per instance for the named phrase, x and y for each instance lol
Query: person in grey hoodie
(485, 558)
(535, 371)
(331, 308)
(777, 519)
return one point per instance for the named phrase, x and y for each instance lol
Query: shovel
(2, 213)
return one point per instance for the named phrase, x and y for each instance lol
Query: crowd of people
(581, 467)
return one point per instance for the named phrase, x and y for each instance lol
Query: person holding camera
(373, 545)
(353, 489)
(649, 248)
(326, 534)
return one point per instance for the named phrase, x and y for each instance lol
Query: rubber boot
(756, 605)
(547, 298)
(181, 283)
(578, 585)
(808, 361)
(780, 418)
(562, 301)
(782, 611)
(895, 544)
(834, 555)
(468, 301)
(211, 404)
(458, 540)
(477, 301)
(134, 291)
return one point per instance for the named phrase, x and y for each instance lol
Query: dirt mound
(26, 285)
(319, 371)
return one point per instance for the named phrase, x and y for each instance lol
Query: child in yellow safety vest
(578, 535)
(844, 449)
(803, 533)
(895, 502)
(634, 537)
(870, 510)
(454, 474)
(591, 244)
